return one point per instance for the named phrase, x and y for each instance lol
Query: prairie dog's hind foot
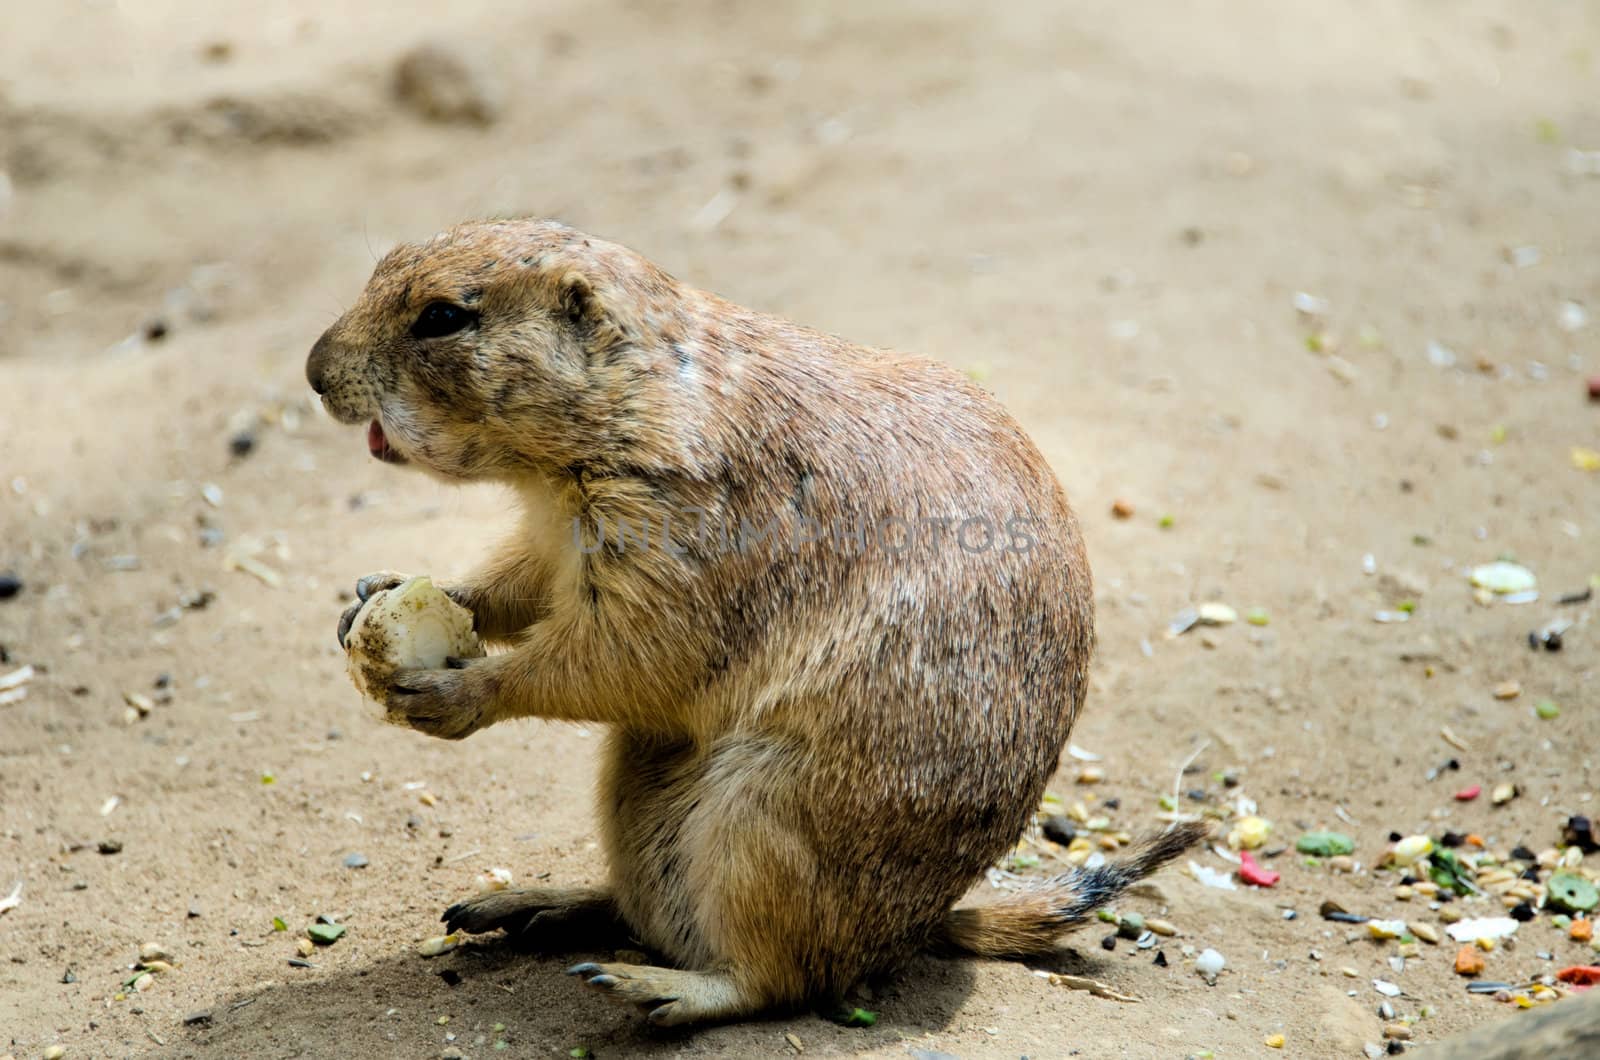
(547, 919)
(671, 997)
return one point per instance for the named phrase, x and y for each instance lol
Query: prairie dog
(830, 601)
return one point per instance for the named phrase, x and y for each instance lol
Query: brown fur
(815, 750)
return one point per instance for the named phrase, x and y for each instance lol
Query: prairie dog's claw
(371, 583)
(365, 587)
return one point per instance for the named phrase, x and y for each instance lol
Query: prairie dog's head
(496, 348)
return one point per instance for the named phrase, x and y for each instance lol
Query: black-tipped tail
(1033, 919)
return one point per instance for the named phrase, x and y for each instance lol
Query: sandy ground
(1105, 209)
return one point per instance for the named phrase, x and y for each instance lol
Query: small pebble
(1507, 690)
(1130, 925)
(1275, 1041)
(1122, 509)
(1426, 932)
(355, 861)
(55, 1052)
(1503, 793)
(1397, 1032)
(152, 951)
(1210, 964)
(194, 1019)
(1386, 988)
(304, 947)
(1060, 829)
(241, 444)
(10, 584)
(109, 846)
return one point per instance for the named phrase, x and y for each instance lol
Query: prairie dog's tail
(1031, 920)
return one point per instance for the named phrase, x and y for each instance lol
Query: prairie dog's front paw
(451, 703)
(365, 587)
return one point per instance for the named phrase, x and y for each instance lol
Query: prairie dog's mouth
(378, 445)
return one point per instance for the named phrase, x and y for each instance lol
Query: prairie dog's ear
(577, 299)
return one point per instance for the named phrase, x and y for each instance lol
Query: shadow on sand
(394, 1008)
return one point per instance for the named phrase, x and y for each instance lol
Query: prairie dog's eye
(438, 319)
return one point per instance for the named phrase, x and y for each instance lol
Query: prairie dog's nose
(317, 364)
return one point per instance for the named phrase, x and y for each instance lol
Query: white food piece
(1209, 876)
(1489, 927)
(413, 626)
